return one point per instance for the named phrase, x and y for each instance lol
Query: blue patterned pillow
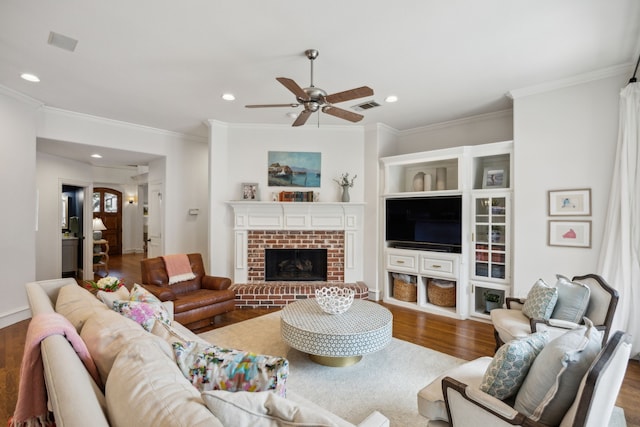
(540, 301)
(510, 365)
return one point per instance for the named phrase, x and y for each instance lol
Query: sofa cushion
(78, 304)
(261, 409)
(146, 388)
(573, 300)
(431, 400)
(109, 297)
(510, 365)
(107, 333)
(554, 378)
(540, 301)
(209, 367)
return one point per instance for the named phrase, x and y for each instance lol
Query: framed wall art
(575, 234)
(570, 202)
(249, 191)
(294, 169)
(493, 178)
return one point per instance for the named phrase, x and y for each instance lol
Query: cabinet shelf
(101, 255)
(481, 175)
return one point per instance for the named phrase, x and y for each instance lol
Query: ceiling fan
(315, 99)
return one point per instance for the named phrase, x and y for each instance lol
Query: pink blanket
(178, 268)
(31, 408)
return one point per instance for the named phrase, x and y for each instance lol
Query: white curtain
(619, 262)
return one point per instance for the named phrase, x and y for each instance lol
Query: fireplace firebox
(295, 265)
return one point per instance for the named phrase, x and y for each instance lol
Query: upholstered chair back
(154, 272)
(602, 301)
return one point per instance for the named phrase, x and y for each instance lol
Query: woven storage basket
(405, 291)
(440, 292)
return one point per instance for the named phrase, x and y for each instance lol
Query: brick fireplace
(259, 241)
(260, 226)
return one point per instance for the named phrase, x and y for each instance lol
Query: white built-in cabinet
(481, 175)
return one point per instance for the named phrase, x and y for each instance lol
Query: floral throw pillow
(215, 368)
(540, 301)
(138, 293)
(143, 313)
(510, 365)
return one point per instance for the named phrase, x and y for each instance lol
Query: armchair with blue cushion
(557, 309)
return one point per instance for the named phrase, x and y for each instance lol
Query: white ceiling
(165, 63)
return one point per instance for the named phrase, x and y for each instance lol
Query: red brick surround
(260, 294)
(259, 240)
(279, 294)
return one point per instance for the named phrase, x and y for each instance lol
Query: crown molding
(20, 97)
(119, 123)
(572, 81)
(459, 122)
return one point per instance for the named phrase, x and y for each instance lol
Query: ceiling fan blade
(271, 105)
(347, 95)
(342, 114)
(294, 88)
(302, 118)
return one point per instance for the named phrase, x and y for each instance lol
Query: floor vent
(366, 106)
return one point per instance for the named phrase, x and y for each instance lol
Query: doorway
(107, 205)
(72, 230)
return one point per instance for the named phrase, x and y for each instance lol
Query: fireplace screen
(295, 265)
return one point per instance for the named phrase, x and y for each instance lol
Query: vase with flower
(107, 284)
(345, 183)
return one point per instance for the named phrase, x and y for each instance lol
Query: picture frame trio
(569, 232)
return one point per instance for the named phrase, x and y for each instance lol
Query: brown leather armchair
(195, 302)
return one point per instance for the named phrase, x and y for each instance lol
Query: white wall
(51, 172)
(481, 129)
(380, 141)
(239, 153)
(185, 167)
(18, 191)
(564, 138)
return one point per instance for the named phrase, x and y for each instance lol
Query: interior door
(107, 205)
(155, 242)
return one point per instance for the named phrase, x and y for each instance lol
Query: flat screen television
(427, 223)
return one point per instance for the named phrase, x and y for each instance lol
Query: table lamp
(98, 228)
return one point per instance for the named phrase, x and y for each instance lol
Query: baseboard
(374, 294)
(11, 317)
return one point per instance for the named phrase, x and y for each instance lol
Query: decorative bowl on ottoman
(335, 300)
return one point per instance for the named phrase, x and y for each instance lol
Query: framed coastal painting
(570, 202)
(570, 233)
(294, 169)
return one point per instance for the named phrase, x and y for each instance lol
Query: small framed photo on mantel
(250, 191)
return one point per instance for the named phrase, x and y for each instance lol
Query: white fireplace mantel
(250, 215)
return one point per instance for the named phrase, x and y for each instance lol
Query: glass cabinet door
(490, 237)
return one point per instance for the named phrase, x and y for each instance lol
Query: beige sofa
(143, 384)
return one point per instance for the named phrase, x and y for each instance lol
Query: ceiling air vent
(62, 41)
(366, 106)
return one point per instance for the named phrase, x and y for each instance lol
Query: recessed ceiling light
(391, 98)
(228, 97)
(292, 115)
(30, 77)
(96, 156)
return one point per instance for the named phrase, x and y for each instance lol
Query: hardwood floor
(466, 339)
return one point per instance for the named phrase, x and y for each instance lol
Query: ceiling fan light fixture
(228, 97)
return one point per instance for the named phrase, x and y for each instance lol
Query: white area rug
(387, 381)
